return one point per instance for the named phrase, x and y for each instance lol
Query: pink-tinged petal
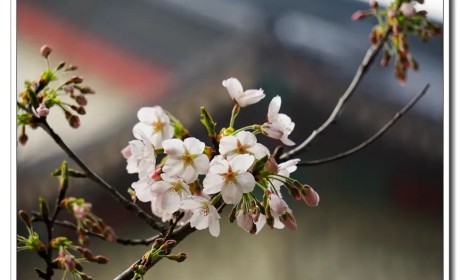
(241, 163)
(250, 97)
(141, 129)
(173, 147)
(201, 164)
(189, 174)
(160, 187)
(260, 223)
(214, 227)
(170, 201)
(246, 182)
(131, 166)
(147, 115)
(246, 138)
(274, 108)
(166, 177)
(231, 194)
(190, 204)
(212, 183)
(259, 151)
(244, 221)
(272, 130)
(227, 144)
(194, 146)
(233, 86)
(287, 142)
(137, 148)
(126, 152)
(277, 204)
(173, 167)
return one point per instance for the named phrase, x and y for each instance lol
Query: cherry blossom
(230, 178)
(242, 98)
(245, 221)
(278, 126)
(143, 189)
(185, 159)
(140, 157)
(204, 214)
(243, 142)
(154, 123)
(170, 192)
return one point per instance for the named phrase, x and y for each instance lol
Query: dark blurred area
(381, 210)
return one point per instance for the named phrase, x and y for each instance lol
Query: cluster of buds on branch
(39, 97)
(179, 173)
(395, 23)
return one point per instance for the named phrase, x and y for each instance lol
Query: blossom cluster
(181, 174)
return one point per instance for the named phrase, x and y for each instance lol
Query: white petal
(214, 227)
(227, 144)
(233, 86)
(201, 164)
(246, 181)
(168, 131)
(173, 147)
(147, 115)
(141, 129)
(218, 165)
(156, 139)
(212, 183)
(287, 142)
(246, 138)
(173, 167)
(231, 193)
(194, 146)
(259, 151)
(290, 165)
(142, 189)
(250, 97)
(170, 201)
(126, 152)
(190, 204)
(241, 163)
(202, 222)
(189, 174)
(160, 187)
(274, 108)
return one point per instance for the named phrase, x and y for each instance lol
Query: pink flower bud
(42, 111)
(244, 221)
(74, 121)
(81, 100)
(358, 15)
(407, 9)
(289, 221)
(310, 196)
(277, 204)
(45, 51)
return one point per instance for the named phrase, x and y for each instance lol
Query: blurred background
(381, 210)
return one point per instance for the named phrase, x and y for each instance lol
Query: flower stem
(235, 111)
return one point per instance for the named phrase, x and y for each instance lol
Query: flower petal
(227, 144)
(194, 146)
(214, 227)
(212, 183)
(147, 114)
(233, 86)
(170, 201)
(189, 174)
(173, 147)
(201, 164)
(246, 181)
(250, 97)
(141, 129)
(246, 138)
(274, 108)
(241, 163)
(231, 193)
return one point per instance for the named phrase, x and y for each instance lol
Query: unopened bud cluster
(182, 174)
(39, 96)
(400, 19)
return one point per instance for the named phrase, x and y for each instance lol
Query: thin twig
(122, 241)
(362, 70)
(376, 136)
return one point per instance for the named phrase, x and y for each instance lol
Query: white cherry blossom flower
(154, 123)
(242, 98)
(185, 159)
(140, 157)
(143, 189)
(245, 221)
(230, 178)
(281, 213)
(204, 214)
(278, 126)
(243, 142)
(170, 192)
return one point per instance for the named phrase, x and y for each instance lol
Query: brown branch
(363, 68)
(376, 136)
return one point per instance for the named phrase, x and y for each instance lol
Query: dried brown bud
(46, 51)
(71, 68)
(60, 66)
(75, 80)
